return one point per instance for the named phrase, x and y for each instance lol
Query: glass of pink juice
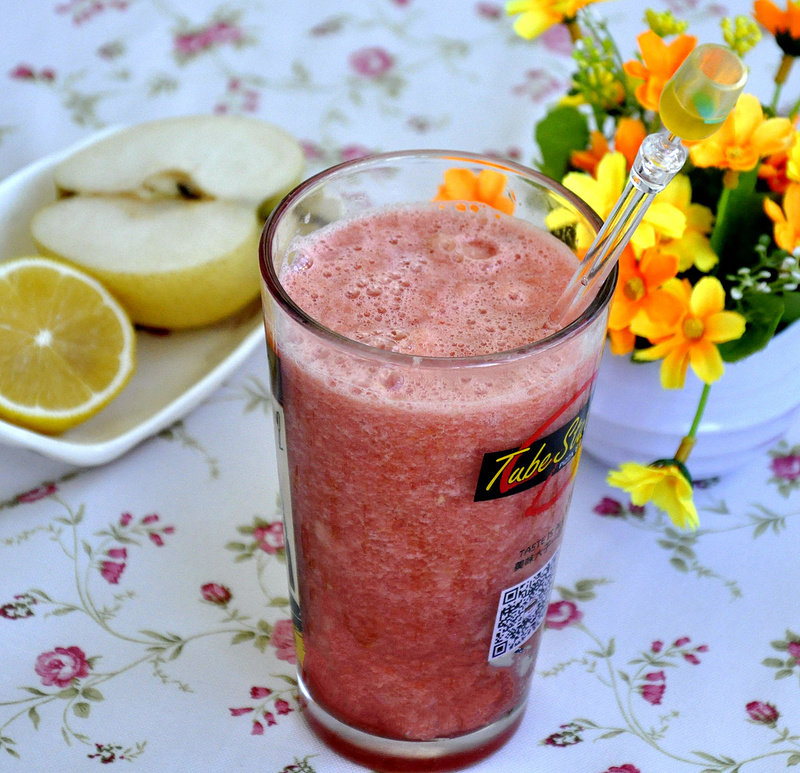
(428, 420)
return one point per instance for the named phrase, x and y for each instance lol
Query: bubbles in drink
(456, 283)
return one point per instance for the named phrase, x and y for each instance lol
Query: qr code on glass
(521, 611)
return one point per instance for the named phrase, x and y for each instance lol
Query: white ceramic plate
(174, 371)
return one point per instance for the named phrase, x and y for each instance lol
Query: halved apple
(167, 214)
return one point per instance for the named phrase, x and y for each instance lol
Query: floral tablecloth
(143, 609)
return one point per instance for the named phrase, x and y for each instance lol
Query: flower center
(693, 328)
(634, 288)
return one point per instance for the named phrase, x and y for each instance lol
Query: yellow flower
(693, 247)
(693, 340)
(665, 484)
(744, 138)
(537, 16)
(602, 191)
(786, 221)
(487, 187)
(793, 160)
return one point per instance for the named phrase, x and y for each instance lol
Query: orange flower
(487, 187)
(744, 138)
(784, 25)
(659, 63)
(702, 325)
(638, 289)
(773, 171)
(786, 221)
(627, 139)
(587, 160)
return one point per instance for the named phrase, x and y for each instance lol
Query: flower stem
(780, 78)
(698, 415)
(575, 32)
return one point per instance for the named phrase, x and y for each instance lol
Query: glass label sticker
(521, 610)
(508, 472)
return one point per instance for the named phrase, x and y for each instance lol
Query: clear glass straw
(694, 103)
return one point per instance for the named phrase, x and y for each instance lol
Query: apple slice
(230, 157)
(170, 263)
(167, 214)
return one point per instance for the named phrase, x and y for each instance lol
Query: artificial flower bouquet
(713, 270)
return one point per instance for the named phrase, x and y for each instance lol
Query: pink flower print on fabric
(569, 735)
(60, 666)
(371, 61)
(786, 467)
(189, 44)
(270, 537)
(794, 651)
(626, 768)
(352, 152)
(282, 706)
(111, 570)
(19, 608)
(561, 613)
(653, 687)
(34, 495)
(215, 593)
(762, 713)
(283, 641)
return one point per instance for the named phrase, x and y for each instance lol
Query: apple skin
(168, 214)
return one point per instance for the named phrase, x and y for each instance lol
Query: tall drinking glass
(428, 421)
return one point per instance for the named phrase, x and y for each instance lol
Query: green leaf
(34, 717)
(791, 307)
(561, 131)
(763, 312)
(67, 693)
(82, 710)
(90, 693)
(279, 601)
(610, 734)
(794, 759)
(679, 564)
(243, 636)
(63, 610)
(772, 662)
(740, 221)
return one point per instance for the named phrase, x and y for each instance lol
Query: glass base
(392, 755)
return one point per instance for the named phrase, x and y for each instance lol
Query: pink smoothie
(405, 535)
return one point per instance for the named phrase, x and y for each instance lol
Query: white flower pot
(632, 418)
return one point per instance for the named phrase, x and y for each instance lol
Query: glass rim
(296, 312)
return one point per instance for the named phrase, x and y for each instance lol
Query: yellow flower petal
(708, 297)
(674, 367)
(724, 326)
(665, 486)
(706, 362)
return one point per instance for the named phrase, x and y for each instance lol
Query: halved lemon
(67, 347)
